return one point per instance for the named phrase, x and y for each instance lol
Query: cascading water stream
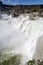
(20, 35)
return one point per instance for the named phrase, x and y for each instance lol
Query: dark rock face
(0, 3)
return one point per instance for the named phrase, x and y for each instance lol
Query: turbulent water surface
(19, 35)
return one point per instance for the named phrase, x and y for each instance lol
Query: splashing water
(19, 35)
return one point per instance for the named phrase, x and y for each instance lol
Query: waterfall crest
(19, 35)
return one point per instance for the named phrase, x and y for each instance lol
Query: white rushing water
(20, 35)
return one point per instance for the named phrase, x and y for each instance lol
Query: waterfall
(19, 35)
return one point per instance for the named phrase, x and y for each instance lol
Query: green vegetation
(33, 62)
(13, 60)
(16, 60)
(34, 9)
